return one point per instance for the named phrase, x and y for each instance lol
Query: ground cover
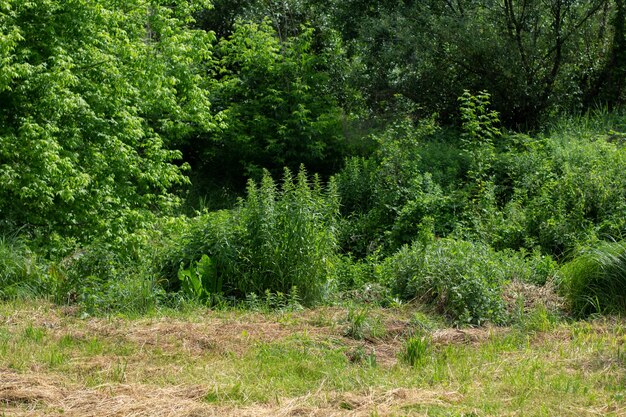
(353, 361)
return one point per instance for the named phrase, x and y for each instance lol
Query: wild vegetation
(459, 161)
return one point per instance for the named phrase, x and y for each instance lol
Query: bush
(276, 239)
(558, 192)
(106, 277)
(387, 197)
(288, 236)
(215, 234)
(117, 274)
(553, 192)
(595, 281)
(463, 279)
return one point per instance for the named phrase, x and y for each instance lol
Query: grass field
(361, 361)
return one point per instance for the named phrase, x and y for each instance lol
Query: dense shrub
(277, 239)
(214, 234)
(558, 192)
(103, 278)
(553, 192)
(387, 198)
(288, 236)
(595, 281)
(462, 279)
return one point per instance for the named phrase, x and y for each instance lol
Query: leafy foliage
(102, 100)
(463, 279)
(560, 191)
(92, 94)
(277, 110)
(528, 54)
(390, 197)
(200, 280)
(276, 240)
(289, 236)
(480, 131)
(552, 192)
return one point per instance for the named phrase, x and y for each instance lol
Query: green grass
(595, 281)
(20, 275)
(242, 362)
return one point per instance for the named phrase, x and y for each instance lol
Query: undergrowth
(595, 281)
(444, 216)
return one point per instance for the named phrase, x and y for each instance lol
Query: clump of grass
(362, 325)
(595, 281)
(539, 319)
(362, 355)
(20, 273)
(416, 350)
(357, 323)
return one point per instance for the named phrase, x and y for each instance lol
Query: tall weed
(21, 275)
(278, 238)
(288, 236)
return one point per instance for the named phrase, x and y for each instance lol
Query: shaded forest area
(297, 152)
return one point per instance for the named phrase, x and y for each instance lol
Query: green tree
(534, 57)
(92, 96)
(606, 81)
(277, 106)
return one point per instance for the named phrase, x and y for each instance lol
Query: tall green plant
(480, 131)
(20, 273)
(595, 281)
(289, 237)
(200, 280)
(278, 238)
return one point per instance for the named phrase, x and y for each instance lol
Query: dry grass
(532, 296)
(40, 395)
(235, 363)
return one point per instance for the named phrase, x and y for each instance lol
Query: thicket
(113, 115)
(92, 95)
(280, 239)
(463, 280)
(536, 58)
